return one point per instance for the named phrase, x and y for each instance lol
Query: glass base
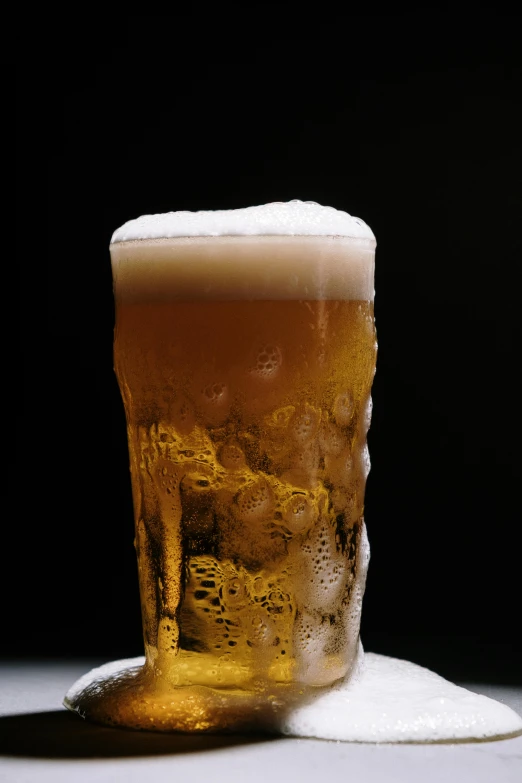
(127, 693)
(382, 700)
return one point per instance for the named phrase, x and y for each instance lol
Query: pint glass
(245, 365)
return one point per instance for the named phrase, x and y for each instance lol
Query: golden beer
(245, 365)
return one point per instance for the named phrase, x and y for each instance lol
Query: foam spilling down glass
(245, 352)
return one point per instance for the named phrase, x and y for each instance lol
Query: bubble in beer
(234, 593)
(256, 502)
(343, 408)
(268, 362)
(304, 424)
(324, 569)
(211, 398)
(262, 630)
(215, 392)
(300, 513)
(200, 481)
(247, 531)
(232, 456)
(312, 635)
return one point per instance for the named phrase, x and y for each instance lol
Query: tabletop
(41, 741)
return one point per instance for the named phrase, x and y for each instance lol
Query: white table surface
(40, 741)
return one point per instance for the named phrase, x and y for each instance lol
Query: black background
(408, 121)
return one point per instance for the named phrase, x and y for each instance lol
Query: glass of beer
(245, 352)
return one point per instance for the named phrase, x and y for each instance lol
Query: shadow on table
(60, 734)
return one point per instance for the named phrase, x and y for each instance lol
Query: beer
(245, 365)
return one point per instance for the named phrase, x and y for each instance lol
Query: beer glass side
(245, 366)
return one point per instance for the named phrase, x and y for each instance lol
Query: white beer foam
(397, 701)
(293, 218)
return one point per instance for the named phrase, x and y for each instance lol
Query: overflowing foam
(397, 701)
(294, 218)
(387, 700)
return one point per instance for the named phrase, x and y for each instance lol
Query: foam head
(293, 218)
(296, 250)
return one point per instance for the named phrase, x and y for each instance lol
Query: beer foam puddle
(397, 701)
(292, 218)
(388, 700)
